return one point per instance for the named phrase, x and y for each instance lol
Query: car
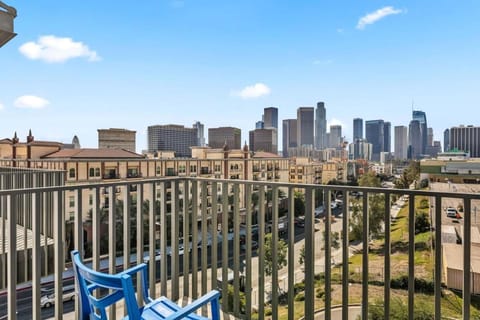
(300, 222)
(452, 213)
(48, 300)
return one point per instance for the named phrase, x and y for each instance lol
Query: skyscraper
(200, 133)
(270, 117)
(446, 140)
(172, 138)
(357, 129)
(217, 137)
(321, 127)
(374, 134)
(421, 117)
(387, 135)
(430, 137)
(305, 126)
(414, 140)
(466, 138)
(335, 136)
(401, 142)
(289, 135)
(263, 140)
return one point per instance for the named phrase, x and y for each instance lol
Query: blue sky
(75, 67)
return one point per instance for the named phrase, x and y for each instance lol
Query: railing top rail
(428, 193)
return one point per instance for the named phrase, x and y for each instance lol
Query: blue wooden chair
(121, 287)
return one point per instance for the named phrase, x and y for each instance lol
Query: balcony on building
(336, 279)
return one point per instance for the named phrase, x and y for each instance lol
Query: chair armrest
(192, 307)
(142, 267)
(134, 269)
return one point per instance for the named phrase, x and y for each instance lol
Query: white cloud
(31, 102)
(54, 49)
(377, 15)
(2, 106)
(255, 91)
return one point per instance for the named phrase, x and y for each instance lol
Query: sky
(79, 66)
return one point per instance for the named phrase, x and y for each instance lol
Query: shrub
(320, 293)
(300, 297)
(268, 311)
(298, 287)
(422, 223)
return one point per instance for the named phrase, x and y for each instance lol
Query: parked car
(452, 213)
(300, 222)
(48, 300)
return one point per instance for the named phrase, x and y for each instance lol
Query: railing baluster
(58, 224)
(112, 241)
(96, 216)
(194, 236)
(175, 233)
(78, 234)
(438, 257)
(37, 258)
(248, 252)
(345, 252)
(366, 241)
(152, 240)
(411, 256)
(127, 204)
(261, 252)
(225, 243)
(203, 239)
(12, 258)
(236, 249)
(214, 235)
(467, 238)
(387, 252)
(186, 231)
(291, 252)
(163, 240)
(309, 253)
(274, 252)
(328, 257)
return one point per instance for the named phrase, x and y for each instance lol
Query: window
(71, 201)
(182, 168)
(218, 167)
(91, 172)
(71, 173)
(97, 172)
(193, 168)
(158, 170)
(90, 199)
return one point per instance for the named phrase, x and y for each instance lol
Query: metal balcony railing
(227, 251)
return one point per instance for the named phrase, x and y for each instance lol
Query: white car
(47, 301)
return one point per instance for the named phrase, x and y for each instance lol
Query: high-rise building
(263, 140)
(357, 129)
(421, 117)
(321, 127)
(305, 117)
(270, 118)
(466, 138)
(200, 133)
(259, 124)
(387, 136)
(446, 140)
(360, 149)
(289, 135)
(430, 137)
(335, 136)
(217, 137)
(374, 134)
(415, 140)
(114, 138)
(172, 137)
(401, 142)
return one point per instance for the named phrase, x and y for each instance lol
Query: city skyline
(221, 64)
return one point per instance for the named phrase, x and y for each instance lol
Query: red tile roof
(94, 154)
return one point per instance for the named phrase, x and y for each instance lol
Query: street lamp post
(7, 14)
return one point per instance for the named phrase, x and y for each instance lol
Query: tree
(299, 204)
(370, 180)
(281, 254)
(409, 175)
(334, 239)
(301, 258)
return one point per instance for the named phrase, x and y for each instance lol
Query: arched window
(71, 173)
